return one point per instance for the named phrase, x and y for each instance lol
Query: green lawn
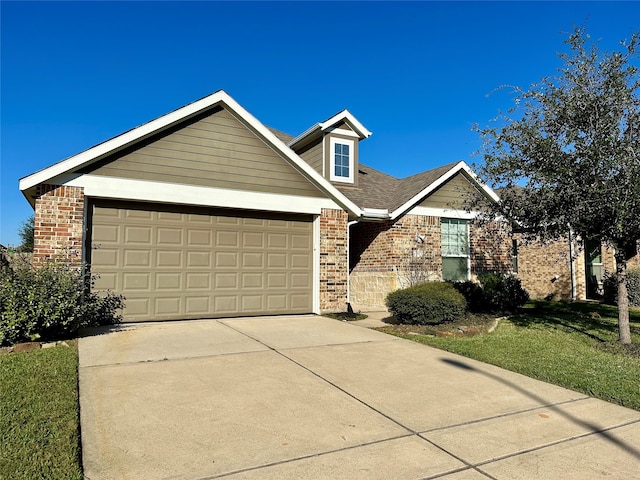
(39, 433)
(572, 345)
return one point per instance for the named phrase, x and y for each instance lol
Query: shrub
(50, 302)
(472, 293)
(494, 293)
(610, 287)
(428, 303)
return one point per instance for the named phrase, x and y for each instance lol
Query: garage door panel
(137, 258)
(198, 281)
(137, 281)
(169, 258)
(186, 264)
(226, 280)
(169, 236)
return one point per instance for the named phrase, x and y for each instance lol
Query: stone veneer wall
(333, 260)
(58, 222)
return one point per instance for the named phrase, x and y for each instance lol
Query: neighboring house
(205, 212)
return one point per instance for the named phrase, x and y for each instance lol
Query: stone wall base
(370, 289)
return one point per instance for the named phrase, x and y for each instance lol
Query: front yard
(571, 345)
(39, 423)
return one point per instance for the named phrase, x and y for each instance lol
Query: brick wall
(333, 260)
(490, 247)
(544, 270)
(383, 246)
(59, 214)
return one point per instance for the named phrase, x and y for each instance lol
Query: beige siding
(176, 263)
(452, 194)
(215, 151)
(312, 154)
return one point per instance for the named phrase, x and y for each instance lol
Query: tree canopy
(567, 154)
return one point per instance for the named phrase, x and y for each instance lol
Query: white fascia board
(147, 191)
(458, 167)
(346, 115)
(443, 213)
(302, 166)
(327, 125)
(174, 117)
(122, 140)
(304, 134)
(483, 186)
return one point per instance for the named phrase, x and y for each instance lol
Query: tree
(567, 154)
(26, 232)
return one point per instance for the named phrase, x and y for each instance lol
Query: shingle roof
(380, 190)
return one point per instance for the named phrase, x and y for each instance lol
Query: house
(205, 212)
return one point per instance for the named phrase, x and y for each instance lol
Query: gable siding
(312, 154)
(215, 151)
(451, 195)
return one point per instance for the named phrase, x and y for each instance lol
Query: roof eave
(460, 167)
(159, 124)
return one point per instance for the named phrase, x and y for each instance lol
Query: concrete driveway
(297, 397)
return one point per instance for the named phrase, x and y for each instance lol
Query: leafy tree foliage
(26, 232)
(567, 153)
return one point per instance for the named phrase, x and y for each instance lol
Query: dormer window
(342, 159)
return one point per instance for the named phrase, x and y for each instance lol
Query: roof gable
(379, 192)
(212, 150)
(219, 99)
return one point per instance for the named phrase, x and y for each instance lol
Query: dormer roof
(329, 125)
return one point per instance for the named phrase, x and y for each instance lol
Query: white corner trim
(316, 266)
(148, 191)
(459, 167)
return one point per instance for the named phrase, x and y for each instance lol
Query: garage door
(173, 263)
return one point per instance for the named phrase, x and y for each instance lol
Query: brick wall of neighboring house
(58, 223)
(334, 268)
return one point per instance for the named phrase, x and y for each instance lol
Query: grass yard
(569, 344)
(39, 437)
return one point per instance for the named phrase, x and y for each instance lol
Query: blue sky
(417, 74)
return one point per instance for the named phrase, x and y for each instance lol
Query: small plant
(610, 287)
(494, 293)
(51, 301)
(428, 303)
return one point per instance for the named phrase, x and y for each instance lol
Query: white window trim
(332, 161)
(468, 254)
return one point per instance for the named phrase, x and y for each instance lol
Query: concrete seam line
(331, 383)
(503, 415)
(305, 457)
(557, 442)
(469, 466)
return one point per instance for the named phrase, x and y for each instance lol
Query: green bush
(633, 288)
(51, 302)
(472, 293)
(495, 293)
(427, 303)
